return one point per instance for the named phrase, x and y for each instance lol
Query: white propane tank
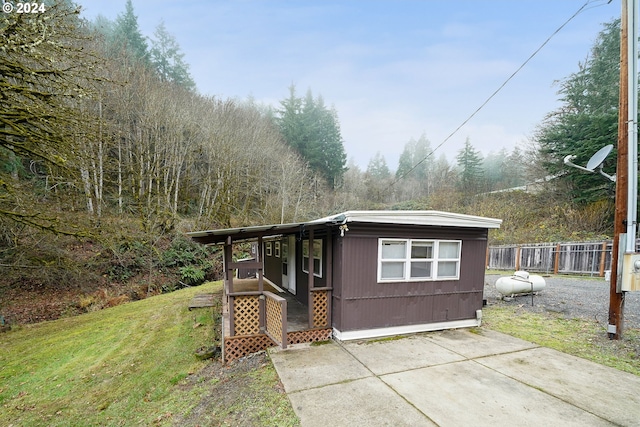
(521, 282)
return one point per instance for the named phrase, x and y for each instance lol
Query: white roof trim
(434, 218)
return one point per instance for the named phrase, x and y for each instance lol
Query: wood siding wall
(273, 268)
(359, 302)
(273, 265)
(302, 278)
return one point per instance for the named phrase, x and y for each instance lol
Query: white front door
(289, 264)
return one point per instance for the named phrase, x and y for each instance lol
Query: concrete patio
(453, 378)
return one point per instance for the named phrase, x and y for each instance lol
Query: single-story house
(362, 274)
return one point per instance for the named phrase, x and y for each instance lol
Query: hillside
(48, 276)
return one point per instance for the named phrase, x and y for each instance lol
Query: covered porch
(297, 313)
(257, 313)
(257, 317)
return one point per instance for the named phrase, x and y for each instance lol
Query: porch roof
(253, 232)
(432, 218)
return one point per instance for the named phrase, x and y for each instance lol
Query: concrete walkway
(453, 378)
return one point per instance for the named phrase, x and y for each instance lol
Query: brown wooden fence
(592, 258)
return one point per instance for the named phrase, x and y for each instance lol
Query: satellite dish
(597, 159)
(594, 162)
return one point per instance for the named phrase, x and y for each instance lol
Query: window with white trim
(411, 260)
(317, 257)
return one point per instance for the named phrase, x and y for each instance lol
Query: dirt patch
(246, 392)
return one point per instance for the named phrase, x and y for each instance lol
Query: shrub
(127, 260)
(191, 275)
(181, 252)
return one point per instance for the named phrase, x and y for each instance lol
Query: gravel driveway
(584, 297)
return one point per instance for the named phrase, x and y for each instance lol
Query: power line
(580, 10)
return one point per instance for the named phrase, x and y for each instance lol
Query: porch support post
(310, 280)
(261, 268)
(262, 306)
(262, 313)
(228, 259)
(232, 330)
(228, 278)
(329, 269)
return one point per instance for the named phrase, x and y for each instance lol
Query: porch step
(201, 301)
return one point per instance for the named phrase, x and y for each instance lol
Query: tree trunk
(84, 173)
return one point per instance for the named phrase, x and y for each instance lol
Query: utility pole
(626, 197)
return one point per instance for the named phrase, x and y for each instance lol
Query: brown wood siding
(336, 294)
(273, 266)
(302, 278)
(273, 270)
(362, 303)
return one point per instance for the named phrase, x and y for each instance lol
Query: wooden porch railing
(276, 318)
(245, 313)
(320, 308)
(253, 313)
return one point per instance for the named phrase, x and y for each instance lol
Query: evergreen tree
(332, 157)
(168, 60)
(127, 35)
(377, 179)
(503, 169)
(493, 165)
(406, 160)
(514, 169)
(378, 168)
(314, 131)
(470, 172)
(290, 123)
(415, 169)
(416, 160)
(424, 159)
(587, 120)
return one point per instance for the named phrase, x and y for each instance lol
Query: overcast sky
(393, 70)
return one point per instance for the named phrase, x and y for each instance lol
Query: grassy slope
(127, 365)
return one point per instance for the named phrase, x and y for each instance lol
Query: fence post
(486, 261)
(556, 261)
(517, 258)
(603, 257)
